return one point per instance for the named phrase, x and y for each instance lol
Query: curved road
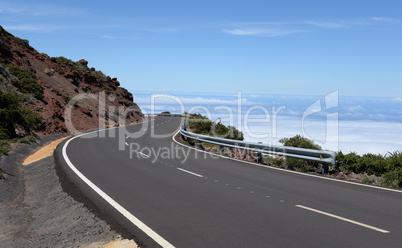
(180, 197)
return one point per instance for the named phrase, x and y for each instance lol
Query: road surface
(177, 196)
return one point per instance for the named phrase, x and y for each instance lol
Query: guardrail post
(259, 157)
(199, 144)
(221, 149)
(325, 168)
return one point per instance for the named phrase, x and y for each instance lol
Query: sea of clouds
(335, 122)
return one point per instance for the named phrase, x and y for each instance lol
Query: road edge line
(138, 223)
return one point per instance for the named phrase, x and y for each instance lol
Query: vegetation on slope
(202, 125)
(27, 81)
(17, 123)
(388, 167)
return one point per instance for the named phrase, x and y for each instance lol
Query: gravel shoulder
(36, 212)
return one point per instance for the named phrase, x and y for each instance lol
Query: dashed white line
(344, 219)
(189, 172)
(143, 154)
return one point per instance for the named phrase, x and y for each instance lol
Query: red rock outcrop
(92, 93)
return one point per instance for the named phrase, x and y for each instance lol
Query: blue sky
(269, 47)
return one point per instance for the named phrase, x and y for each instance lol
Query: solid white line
(288, 171)
(189, 172)
(147, 230)
(344, 219)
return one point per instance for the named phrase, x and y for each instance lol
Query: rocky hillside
(48, 84)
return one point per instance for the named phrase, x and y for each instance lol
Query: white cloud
(111, 37)
(328, 24)
(33, 28)
(356, 108)
(44, 28)
(386, 19)
(360, 22)
(398, 99)
(261, 32)
(161, 30)
(40, 9)
(159, 99)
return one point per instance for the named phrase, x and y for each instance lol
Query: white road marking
(344, 219)
(288, 171)
(141, 225)
(143, 154)
(189, 172)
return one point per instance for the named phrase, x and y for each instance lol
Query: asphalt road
(186, 198)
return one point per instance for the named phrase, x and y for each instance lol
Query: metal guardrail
(166, 115)
(325, 157)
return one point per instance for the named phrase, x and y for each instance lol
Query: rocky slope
(90, 92)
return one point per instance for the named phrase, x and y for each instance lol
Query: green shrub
(2, 175)
(62, 60)
(28, 82)
(300, 164)
(392, 178)
(12, 114)
(372, 164)
(31, 86)
(368, 180)
(388, 167)
(202, 125)
(4, 147)
(99, 75)
(23, 42)
(3, 32)
(21, 73)
(394, 160)
(71, 63)
(348, 162)
(27, 139)
(301, 142)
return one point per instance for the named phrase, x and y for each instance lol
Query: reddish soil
(62, 82)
